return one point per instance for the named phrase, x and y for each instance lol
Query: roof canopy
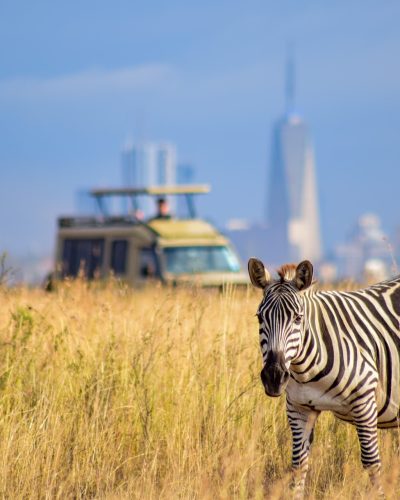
(152, 190)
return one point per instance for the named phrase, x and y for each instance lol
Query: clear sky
(79, 78)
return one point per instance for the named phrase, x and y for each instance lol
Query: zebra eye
(298, 319)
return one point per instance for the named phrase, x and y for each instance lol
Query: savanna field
(111, 393)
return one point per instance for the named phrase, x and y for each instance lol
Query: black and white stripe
(337, 351)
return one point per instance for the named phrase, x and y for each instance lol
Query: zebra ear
(259, 276)
(304, 274)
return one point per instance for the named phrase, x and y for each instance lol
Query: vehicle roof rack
(185, 189)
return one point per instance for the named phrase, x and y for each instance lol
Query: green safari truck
(163, 248)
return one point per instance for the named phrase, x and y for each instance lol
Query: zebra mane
(287, 272)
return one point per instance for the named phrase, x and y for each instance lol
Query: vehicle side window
(119, 252)
(85, 255)
(148, 267)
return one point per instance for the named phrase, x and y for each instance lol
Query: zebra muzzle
(274, 378)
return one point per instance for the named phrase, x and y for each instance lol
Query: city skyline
(66, 106)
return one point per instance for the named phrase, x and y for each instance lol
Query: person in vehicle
(162, 209)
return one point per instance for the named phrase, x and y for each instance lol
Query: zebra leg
(366, 425)
(301, 423)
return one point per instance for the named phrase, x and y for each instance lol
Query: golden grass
(111, 393)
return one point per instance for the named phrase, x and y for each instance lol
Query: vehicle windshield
(200, 259)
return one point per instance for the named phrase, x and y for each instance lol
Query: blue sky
(79, 78)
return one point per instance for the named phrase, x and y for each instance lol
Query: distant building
(149, 163)
(249, 239)
(367, 254)
(185, 174)
(292, 211)
(291, 229)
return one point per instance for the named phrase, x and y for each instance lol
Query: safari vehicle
(168, 249)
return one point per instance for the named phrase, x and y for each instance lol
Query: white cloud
(87, 83)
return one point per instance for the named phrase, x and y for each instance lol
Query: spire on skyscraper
(290, 85)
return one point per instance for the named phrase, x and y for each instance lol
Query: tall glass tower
(149, 164)
(292, 205)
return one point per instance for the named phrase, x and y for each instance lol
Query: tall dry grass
(111, 393)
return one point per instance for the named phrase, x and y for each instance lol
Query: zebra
(330, 350)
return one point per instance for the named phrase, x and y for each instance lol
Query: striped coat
(337, 351)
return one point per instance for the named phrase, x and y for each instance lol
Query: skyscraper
(147, 164)
(292, 208)
(185, 174)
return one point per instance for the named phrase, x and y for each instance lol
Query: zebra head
(280, 316)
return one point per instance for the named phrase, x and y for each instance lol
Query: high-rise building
(292, 205)
(367, 253)
(149, 164)
(185, 174)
